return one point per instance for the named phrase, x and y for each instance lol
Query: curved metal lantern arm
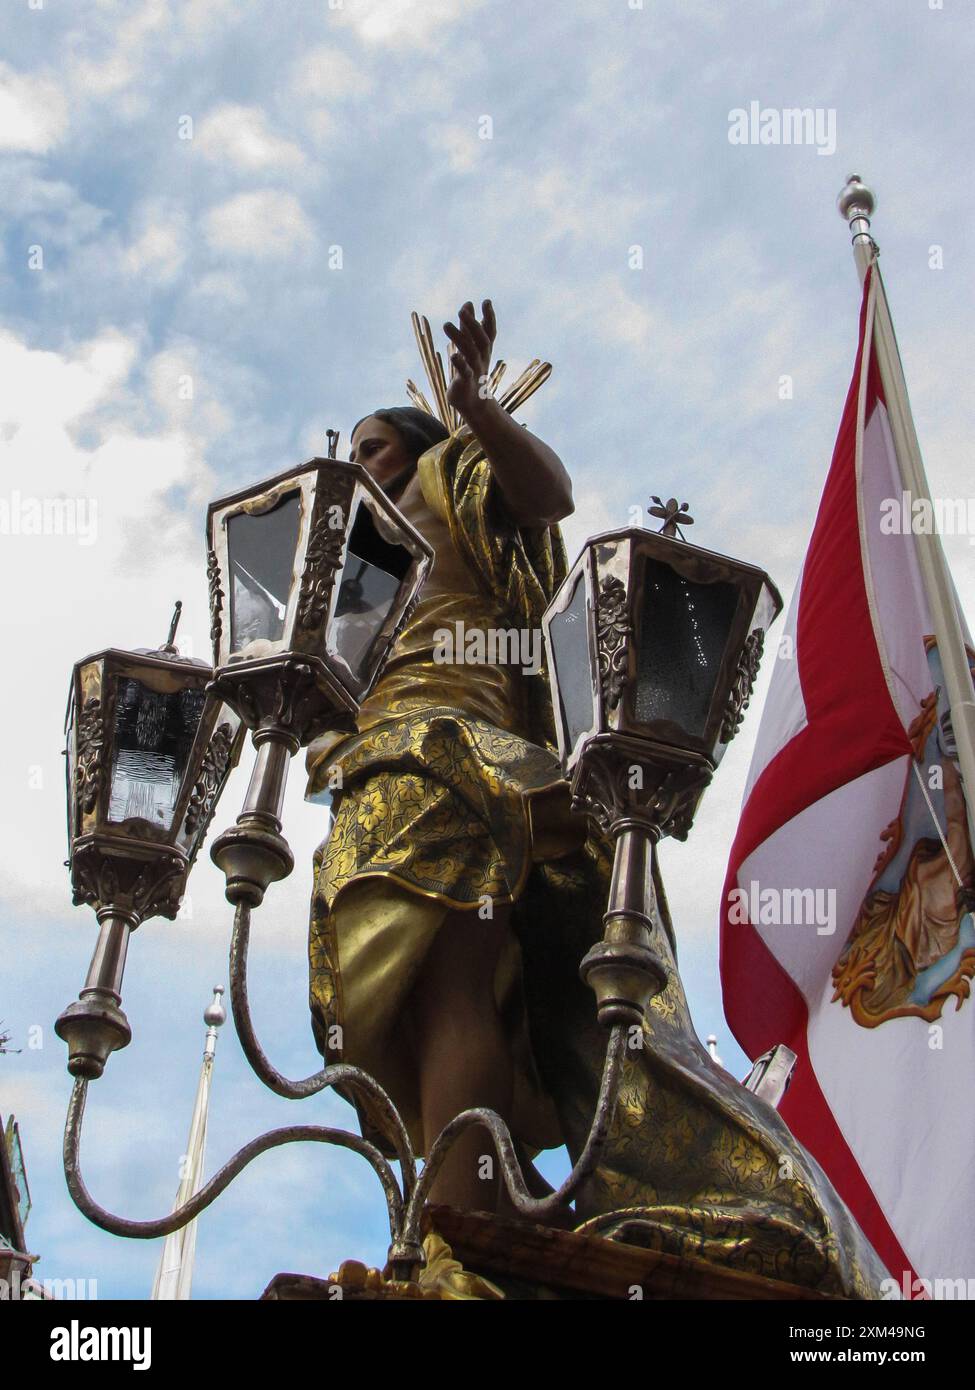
(273, 1139)
(524, 1202)
(381, 1107)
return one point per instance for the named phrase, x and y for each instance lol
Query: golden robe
(444, 801)
(450, 794)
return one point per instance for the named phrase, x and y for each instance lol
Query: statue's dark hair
(418, 430)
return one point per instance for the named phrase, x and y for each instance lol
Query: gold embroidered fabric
(434, 808)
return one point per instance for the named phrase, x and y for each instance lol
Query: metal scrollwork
(91, 740)
(94, 880)
(743, 685)
(159, 888)
(322, 559)
(613, 630)
(212, 772)
(216, 597)
(285, 696)
(599, 791)
(616, 779)
(146, 888)
(672, 804)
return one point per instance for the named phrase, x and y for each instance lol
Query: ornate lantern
(653, 647)
(312, 574)
(148, 752)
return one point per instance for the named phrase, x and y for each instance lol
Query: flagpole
(856, 203)
(175, 1272)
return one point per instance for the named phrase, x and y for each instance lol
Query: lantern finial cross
(672, 514)
(333, 443)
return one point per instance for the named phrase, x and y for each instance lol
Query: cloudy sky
(219, 215)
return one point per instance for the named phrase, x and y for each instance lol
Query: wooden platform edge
(559, 1264)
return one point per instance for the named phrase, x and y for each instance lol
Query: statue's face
(380, 450)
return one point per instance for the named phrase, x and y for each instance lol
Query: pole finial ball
(855, 199)
(215, 1015)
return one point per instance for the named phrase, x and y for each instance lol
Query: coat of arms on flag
(912, 947)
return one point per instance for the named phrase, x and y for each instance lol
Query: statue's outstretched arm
(530, 475)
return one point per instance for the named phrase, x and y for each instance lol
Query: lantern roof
(646, 533)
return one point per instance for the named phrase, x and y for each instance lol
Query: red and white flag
(847, 932)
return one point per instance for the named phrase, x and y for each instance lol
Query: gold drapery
(443, 800)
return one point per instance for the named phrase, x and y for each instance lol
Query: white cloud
(321, 124)
(127, 51)
(33, 111)
(159, 249)
(259, 224)
(201, 18)
(178, 382)
(44, 392)
(221, 286)
(458, 144)
(404, 23)
(324, 84)
(239, 135)
(54, 210)
(329, 74)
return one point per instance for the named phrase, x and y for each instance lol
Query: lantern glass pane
(370, 579)
(152, 739)
(683, 636)
(569, 642)
(261, 555)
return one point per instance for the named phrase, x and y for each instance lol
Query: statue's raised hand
(471, 359)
